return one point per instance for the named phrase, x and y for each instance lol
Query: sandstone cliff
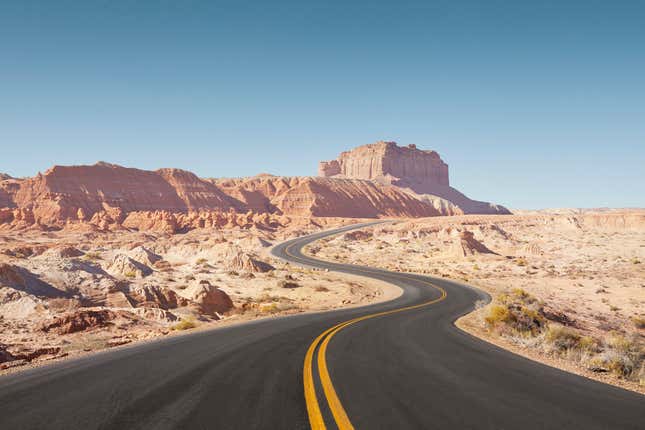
(325, 197)
(422, 173)
(387, 162)
(371, 181)
(80, 193)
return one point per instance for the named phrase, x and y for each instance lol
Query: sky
(532, 104)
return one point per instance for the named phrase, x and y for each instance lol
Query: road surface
(401, 364)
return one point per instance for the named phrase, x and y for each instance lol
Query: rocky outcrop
(422, 173)
(385, 161)
(20, 279)
(154, 296)
(80, 320)
(208, 298)
(78, 193)
(465, 245)
(63, 252)
(125, 267)
(326, 197)
(144, 256)
(371, 181)
(242, 261)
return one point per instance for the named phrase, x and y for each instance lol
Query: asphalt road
(398, 369)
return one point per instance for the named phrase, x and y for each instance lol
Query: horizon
(535, 105)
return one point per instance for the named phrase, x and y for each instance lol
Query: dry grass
(185, 324)
(519, 317)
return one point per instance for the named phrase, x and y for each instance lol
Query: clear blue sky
(532, 104)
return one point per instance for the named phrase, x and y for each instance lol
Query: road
(400, 364)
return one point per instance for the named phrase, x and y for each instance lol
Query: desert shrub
(201, 261)
(618, 363)
(184, 324)
(620, 342)
(639, 321)
(516, 312)
(269, 308)
(521, 262)
(589, 344)
(92, 256)
(130, 274)
(562, 338)
(288, 284)
(498, 314)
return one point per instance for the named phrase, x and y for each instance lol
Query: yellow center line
(343, 422)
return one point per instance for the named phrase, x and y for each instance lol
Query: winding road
(400, 364)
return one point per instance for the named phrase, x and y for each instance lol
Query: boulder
(466, 245)
(242, 261)
(144, 256)
(208, 298)
(124, 266)
(79, 321)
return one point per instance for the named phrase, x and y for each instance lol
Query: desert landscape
(99, 256)
(93, 257)
(567, 285)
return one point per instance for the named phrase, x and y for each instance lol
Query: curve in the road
(393, 370)
(338, 411)
(316, 358)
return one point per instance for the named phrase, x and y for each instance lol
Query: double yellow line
(343, 422)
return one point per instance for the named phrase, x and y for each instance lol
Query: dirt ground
(66, 293)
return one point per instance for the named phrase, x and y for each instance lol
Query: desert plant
(498, 314)
(288, 284)
(185, 324)
(270, 308)
(92, 256)
(615, 362)
(639, 321)
(562, 338)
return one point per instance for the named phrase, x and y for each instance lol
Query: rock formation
(124, 266)
(78, 193)
(465, 245)
(326, 197)
(420, 172)
(388, 162)
(371, 181)
(208, 298)
(242, 261)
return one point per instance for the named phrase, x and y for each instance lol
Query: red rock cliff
(420, 172)
(385, 162)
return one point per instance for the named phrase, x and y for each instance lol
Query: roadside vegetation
(522, 319)
(185, 324)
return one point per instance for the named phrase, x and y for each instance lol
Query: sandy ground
(66, 293)
(585, 269)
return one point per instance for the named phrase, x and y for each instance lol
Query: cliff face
(79, 192)
(325, 197)
(371, 181)
(387, 162)
(420, 172)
